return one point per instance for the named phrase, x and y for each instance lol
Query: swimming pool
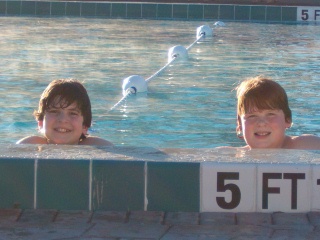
(190, 105)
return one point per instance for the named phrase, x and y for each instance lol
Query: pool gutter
(251, 11)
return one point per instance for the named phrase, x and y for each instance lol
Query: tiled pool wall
(176, 11)
(173, 180)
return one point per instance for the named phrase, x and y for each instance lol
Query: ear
(288, 123)
(40, 124)
(239, 126)
(84, 130)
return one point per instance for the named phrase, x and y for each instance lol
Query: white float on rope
(202, 32)
(220, 24)
(177, 51)
(136, 82)
(205, 31)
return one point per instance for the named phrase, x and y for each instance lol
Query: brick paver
(54, 224)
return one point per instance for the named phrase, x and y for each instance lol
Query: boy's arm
(95, 141)
(306, 141)
(32, 140)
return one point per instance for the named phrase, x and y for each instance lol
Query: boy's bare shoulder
(33, 140)
(87, 141)
(90, 140)
(305, 141)
(229, 147)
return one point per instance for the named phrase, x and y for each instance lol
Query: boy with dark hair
(64, 115)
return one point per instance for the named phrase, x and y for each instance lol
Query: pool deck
(51, 224)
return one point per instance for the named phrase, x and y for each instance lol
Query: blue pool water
(191, 104)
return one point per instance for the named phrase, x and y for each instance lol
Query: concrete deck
(51, 224)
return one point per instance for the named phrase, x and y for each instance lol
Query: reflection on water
(190, 105)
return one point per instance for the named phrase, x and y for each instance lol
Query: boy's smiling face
(264, 128)
(62, 125)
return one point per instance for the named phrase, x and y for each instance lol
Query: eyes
(267, 114)
(69, 112)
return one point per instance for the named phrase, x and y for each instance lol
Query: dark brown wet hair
(62, 93)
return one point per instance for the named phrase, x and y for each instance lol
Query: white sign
(237, 187)
(308, 14)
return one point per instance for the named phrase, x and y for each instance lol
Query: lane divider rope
(135, 83)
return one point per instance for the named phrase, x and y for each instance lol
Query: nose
(262, 121)
(62, 117)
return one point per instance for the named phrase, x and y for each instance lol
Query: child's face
(264, 128)
(63, 125)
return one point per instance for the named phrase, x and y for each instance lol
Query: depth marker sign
(242, 187)
(308, 14)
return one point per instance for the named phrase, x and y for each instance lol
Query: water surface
(191, 104)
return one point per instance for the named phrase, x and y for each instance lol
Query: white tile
(236, 190)
(283, 187)
(315, 192)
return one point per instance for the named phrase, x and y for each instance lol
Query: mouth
(262, 134)
(62, 130)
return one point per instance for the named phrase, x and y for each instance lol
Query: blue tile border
(173, 186)
(95, 185)
(17, 183)
(171, 11)
(118, 185)
(62, 184)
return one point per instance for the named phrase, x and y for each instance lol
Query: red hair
(262, 93)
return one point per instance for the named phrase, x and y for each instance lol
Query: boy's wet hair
(260, 93)
(62, 93)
